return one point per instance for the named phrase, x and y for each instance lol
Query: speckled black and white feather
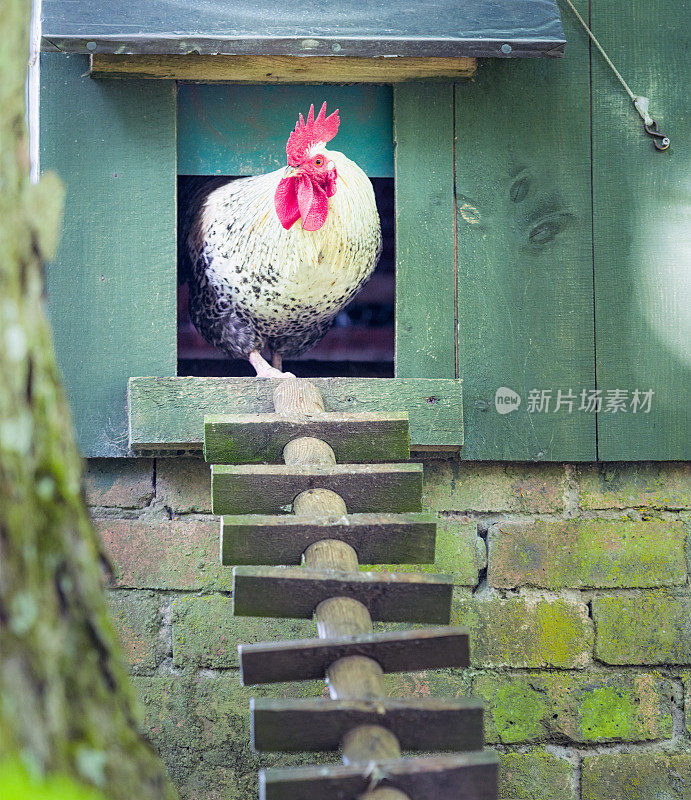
(255, 285)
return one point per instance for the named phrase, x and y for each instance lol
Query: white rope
(640, 103)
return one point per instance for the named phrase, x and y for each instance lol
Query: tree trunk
(66, 707)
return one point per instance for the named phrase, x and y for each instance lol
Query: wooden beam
(297, 591)
(261, 539)
(168, 413)
(463, 776)
(314, 723)
(270, 488)
(260, 438)
(279, 69)
(394, 651)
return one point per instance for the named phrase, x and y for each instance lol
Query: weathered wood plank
(168, 413)
(462, 776)
(401, 651)
(297, 591)
(113, 146)
(279, 69)
(524, 222)
(315, 723)
(271, 488)
(425, 261)
(256, 438)
(282, 539)
(641, 227)
(242, 130)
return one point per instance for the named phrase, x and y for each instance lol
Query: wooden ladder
(342, 513)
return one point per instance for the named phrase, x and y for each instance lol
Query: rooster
(273, 258)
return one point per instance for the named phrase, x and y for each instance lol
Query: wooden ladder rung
(315, 723)
(463, 776)
(306, 659)
(297, 591)
(271, 488)
(283, 538)
(257, 438)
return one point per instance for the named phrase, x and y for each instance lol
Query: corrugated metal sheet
(499, 28)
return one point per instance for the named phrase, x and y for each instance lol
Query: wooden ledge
(167, 414)
(279, 69)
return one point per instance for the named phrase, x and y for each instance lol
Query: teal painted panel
(642, 231)
(112, 287)
(425, 268)
(243, 130)
(524, 221)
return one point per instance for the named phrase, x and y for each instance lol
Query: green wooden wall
(571, 231)
(539, 235)
(112, 287)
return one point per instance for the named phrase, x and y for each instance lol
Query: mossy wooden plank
(282, 539)
(524, 221)
(257, 438)
(112, 286)
(270, 488)
(295, 592)
(315, 723)
(400, 651)
(279, 69)
(425, 261)
(228, 129)
(461, 776)
(641, 227)
(168, 413)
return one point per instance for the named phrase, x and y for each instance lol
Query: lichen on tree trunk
(66, 707)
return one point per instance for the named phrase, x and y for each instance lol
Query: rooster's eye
(318, 161)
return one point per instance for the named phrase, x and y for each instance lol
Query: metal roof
(501, 28)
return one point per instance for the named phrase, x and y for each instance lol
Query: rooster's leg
(277, 361)
(264, 369)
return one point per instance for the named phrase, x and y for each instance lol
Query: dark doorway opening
(361, 342)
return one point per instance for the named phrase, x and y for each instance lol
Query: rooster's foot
(264, 369)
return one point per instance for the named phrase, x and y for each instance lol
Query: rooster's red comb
(306, 134)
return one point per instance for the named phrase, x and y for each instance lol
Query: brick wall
(572, 579)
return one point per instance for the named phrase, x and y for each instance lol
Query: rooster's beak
(290, 171)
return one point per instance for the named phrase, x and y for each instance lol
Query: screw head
(336, 47)
(506, 49)
(91, 46)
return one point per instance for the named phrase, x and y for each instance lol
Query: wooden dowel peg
(308, 450)
(295, 396)
(331, 554)
(368, 743)
(319, 503)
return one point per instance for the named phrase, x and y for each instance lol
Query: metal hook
(660, 141)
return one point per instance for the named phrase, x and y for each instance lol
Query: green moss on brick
(635, 486)
(636, 776)
(649, 628)
(137, 620)
(206, 634)
(200, 726)
(581, 707)
(535, 775)
(588, 553)
(530, 489)
(459, 553)
(184, 485)
(519, 633)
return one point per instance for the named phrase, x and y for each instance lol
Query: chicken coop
(526, 314)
